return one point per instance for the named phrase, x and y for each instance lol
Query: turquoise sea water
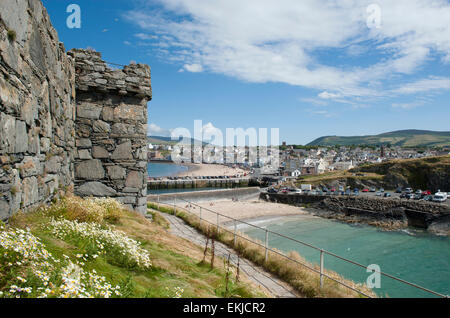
(412, 255)
(156, 169)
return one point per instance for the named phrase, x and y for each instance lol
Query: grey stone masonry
(111, 129)
(37, 108)
(68, 122)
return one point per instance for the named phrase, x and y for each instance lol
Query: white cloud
(144, 36)
(193, 68)
(155, 130)
(408, 105)
(276, 41)
(424, 85)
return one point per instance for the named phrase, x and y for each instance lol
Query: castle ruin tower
(111, 129)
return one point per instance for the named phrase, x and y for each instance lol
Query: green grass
(176, 263)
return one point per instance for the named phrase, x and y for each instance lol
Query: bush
(12, 35)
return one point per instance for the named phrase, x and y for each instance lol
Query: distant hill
(160, 140)
(403, 138)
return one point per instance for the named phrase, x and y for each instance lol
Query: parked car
(428, 198)
(347, 192)
(399, 190)
(381, 189)
(387, 195)
(365, 190)
(373, 189)
(272, 190)
(379, 194)
(408, 190)
(341, 189)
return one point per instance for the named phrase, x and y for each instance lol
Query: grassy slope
(406, 138)
(176, 262)
(427, 173)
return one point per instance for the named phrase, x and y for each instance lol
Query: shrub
(12, 35)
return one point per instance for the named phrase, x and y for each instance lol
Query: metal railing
(267, 248)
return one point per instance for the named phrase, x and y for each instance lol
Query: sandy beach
(243, 210)
(197, 170)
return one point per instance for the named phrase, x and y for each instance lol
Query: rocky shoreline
(388, 214)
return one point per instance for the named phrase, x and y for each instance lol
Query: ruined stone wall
(37, 108)
(111, 129)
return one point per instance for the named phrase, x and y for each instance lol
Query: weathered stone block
(89, 111)
(129, 112)
(84, 154)
(100, 126)
(95, 188)
(4, 210)
(30, 191)
(116, 172)
(84, 143)
(126, 200)
(99, 152)
(89, 170)
(123, 152)
(7, 133)
(108, 114)
(21, 137)
(30, 166)
(135, 179)
(53, 164)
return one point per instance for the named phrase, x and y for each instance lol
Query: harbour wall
(206, 196)
(415, 213)
(201, 183)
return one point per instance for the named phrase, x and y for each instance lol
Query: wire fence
(224, 219)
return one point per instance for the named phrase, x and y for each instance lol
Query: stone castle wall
(67, 121)
(111, 130)
(37, 108)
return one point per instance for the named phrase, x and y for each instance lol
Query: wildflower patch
(98, 240)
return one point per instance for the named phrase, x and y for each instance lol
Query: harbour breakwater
(206, 196)
(201, 183)
(384, 212)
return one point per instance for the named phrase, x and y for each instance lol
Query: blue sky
(309, 68)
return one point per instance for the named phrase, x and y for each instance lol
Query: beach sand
(244, 210)
(198, 170)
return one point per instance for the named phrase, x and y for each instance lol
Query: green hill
(403, 138)
(159, 140)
